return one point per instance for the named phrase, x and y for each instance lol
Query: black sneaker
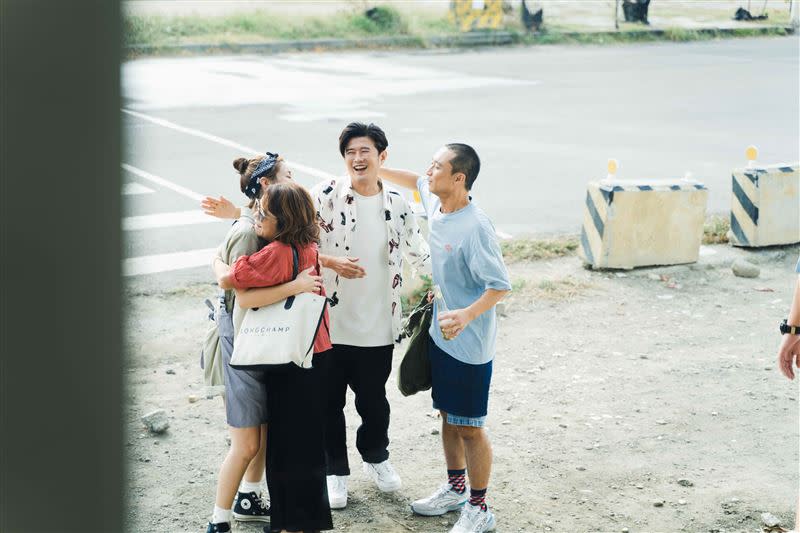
(221, 527)
(250, 507)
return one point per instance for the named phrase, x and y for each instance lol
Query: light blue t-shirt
(797, 268)
(466, 261)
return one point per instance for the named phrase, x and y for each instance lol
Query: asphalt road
(543, 119)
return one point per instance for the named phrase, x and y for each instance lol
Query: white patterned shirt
(337, 218)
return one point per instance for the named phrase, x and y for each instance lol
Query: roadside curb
(471, 39)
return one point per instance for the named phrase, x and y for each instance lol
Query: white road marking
(224, 142)
(133, 188)
(163, 182)
(153, 264)
(167, 220)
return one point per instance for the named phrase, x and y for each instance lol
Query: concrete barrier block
(765, 206)
(633, 224)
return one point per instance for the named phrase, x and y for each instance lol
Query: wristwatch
(787, 329)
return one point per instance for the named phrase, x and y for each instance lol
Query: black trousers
(365, 370)
(295, 447)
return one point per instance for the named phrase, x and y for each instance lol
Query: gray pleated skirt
(245, 390)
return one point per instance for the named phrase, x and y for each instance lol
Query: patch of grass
(257, 26)
(549, 289)
(355, 22)
(518, 284)
(531, 250)
(683, 35)
(715, 229)
(556, 35)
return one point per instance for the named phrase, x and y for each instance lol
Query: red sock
(457, 480)
(478, 498)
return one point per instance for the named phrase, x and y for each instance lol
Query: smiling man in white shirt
(367, 230)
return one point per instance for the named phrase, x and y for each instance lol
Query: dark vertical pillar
(61, 465)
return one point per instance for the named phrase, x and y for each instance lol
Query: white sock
(220, 515)
(251, 486)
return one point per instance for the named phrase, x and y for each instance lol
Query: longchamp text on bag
(280, 333)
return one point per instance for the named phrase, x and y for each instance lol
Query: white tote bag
(280, 333)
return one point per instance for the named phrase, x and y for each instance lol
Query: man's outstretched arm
(404, 178)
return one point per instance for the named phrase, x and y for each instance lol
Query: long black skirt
(296, 448)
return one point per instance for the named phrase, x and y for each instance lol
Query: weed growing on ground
(527, 291)
(530, 249)
(715, 229)
(265, 26)
(384, 20)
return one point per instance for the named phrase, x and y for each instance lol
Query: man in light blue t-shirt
(468, 267)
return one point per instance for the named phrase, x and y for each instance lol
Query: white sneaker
(337, 491)
(444, 500)
(384, 475)
(473, 520)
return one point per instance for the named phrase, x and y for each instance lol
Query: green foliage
(265, 26)
(410, 302)
(381, 20)
(384, 20)
(547, 285)
(715, 229)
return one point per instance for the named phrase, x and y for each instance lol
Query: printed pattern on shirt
(337, 218)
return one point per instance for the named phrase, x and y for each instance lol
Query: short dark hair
(466, 161)
(359, 129)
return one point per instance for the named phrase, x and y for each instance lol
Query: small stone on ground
(156, 421)
(745, 269)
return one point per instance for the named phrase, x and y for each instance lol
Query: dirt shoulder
(646, 400)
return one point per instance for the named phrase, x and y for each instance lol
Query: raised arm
(404, 178)
(220, 208)
(416, 249)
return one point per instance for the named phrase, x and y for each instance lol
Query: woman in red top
(295, 441)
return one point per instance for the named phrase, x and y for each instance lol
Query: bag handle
(295, 267)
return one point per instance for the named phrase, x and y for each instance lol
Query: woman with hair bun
(246, 391)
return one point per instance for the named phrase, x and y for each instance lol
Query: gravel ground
(646, 400)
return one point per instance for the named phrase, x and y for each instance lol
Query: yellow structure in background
(472, 15)
(751, 153)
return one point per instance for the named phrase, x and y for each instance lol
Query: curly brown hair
(294, 211)
(246, 167)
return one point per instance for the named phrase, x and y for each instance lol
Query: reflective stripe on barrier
(765, 206)
(632, 224)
